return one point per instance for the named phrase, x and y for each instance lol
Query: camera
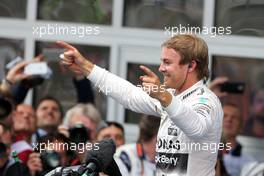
(79, 134)
(50, 160)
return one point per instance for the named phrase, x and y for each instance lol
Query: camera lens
(50, 159)
(79, 134)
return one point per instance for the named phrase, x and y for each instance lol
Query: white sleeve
(193, 119)
(127, 94)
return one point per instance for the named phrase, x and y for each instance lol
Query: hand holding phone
(38, 69)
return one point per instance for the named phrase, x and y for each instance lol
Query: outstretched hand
(73, 60)
(151, 84)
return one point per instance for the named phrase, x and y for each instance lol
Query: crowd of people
(25, 129)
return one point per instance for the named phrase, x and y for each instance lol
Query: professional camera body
(79, 134)
(50, 159)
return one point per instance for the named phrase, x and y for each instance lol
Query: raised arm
(124, 92)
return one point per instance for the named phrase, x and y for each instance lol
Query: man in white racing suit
(191, 115)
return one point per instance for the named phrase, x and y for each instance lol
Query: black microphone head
(102, 155)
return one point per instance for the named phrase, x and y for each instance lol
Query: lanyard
(141, 155)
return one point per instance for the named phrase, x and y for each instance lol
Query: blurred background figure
(56, 153)
(255, 124)
(112, 130)
(139, 158)
(80, 125)
(10, 166)
(85, 114)
(232, 159)
(23, 126)
(8, 92)
(5, 134)
(49, 116)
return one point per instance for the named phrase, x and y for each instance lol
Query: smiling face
(174, 73)
(48, 114)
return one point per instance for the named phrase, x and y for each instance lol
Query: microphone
(98, 159)
(102, 157)
(68, 171)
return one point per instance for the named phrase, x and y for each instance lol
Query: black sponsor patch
(168, 144)
(172, 162)
(201, 92)
(172, 131)
(188, 94)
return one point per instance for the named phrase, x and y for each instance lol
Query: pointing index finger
(65, 45)
(147, 71)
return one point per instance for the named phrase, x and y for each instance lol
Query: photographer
(85, 114)
(53, 151)
(80, 124)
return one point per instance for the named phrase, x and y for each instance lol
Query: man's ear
(192, 65)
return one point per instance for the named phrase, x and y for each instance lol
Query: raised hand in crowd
(215, 86)
(16, 74)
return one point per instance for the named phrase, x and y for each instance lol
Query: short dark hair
(116, 124)
(148, 128)
(51, 98)
(111, 123)
(53, 136)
